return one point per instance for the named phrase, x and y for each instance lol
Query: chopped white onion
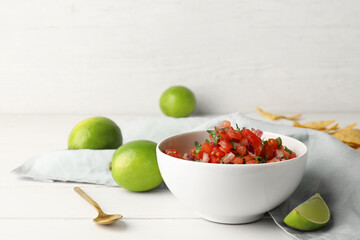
(188, 156)
(228, 158)
(279, 154)
(218, 127)
(258, 133)
(205, 157)
(252, 154)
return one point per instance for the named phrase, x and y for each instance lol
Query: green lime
(95, 133)
(177, 102)
(310, 215)
(134, 166)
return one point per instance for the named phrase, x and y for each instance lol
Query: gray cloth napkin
(332, 169)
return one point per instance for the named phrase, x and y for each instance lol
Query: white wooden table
(46, 210)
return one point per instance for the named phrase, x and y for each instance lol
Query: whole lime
(95, 133)
(177, 101)
(134, 166)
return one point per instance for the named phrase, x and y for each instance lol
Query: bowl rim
(298, 158)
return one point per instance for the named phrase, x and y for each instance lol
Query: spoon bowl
(102, 218)
(106, 219)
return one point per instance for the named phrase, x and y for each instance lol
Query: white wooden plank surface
(117, 57)
(51, 201)
(137, 229)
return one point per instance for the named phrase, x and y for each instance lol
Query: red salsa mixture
(227, 145)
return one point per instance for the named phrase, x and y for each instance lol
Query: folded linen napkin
(332, 168)
(85, 165)
(92, 166)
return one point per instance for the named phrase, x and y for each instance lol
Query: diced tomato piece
(273, 143)
(241, 149)
(215, 159)
(292, 155)
(199, 155)
(286, 154)
(206, 147)
(239, 135)
(237, 160)
(252, 162)
(257, 150)
(252, 137)
(244, 142)
(223, 136)
(225, 124)
(248, 158)
(192, 151)
(216, 152)
(232, 134)
(273, 160)
(268, 150)
(172, 152)
(225, 146)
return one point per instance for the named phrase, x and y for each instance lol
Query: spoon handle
(87, 198)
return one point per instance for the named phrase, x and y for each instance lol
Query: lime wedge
(310, 215)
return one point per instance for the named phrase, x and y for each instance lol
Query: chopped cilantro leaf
(207, 140)
(288, 150)
(233, 143)
(212, 133)
(237, 127)
(279, 141)
(198, 147)
(260, 159)
(216, 139)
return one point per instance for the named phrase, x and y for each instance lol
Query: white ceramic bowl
(230, 193)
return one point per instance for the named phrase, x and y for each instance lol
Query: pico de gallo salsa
(227, 145)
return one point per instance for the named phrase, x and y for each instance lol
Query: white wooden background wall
(118, 56)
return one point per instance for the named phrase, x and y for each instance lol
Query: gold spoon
(102, 218)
